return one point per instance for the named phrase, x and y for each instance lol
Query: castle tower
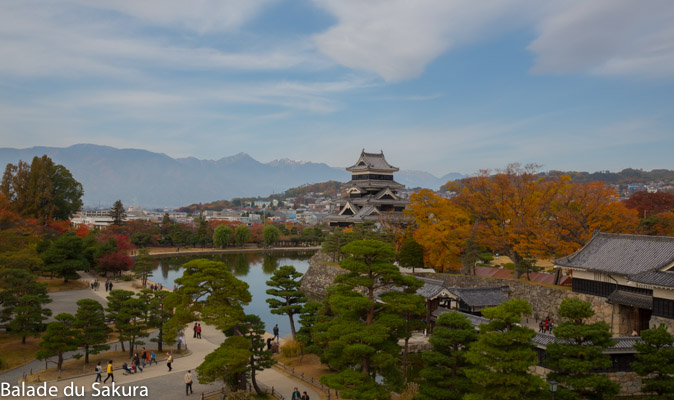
(371, 194)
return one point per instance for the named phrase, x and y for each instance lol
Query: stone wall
(320, 275)
(630, 382)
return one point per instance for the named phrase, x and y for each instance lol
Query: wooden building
(370, 195)
(635, 274)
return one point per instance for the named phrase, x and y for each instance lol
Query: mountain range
(155, 180)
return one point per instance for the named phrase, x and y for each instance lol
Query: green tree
(503, 354)
(92, 330)
(116, 301)
(359, 340)
(65, 257)
(58, 338)
(271, 235)
(207, 291)
(655, 362)
(158, 314)
(285, 284)
(411, 254)
(228, 363)
(222, 236)
(143, 266)
(579, 353)
(443, 375)
(23, 299)
(307, 320)
(130, 323)
(259, 357)
(117, 213)
(241, 235)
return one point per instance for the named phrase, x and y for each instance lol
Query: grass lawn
(77, 367)
(15, 354)
(57, 284)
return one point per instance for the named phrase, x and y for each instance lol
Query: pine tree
(259, 357)
(443, 374)
(579, 352)
(411, 254)
(58, 338)
(116, 300)
(23, 299)
(308, 317)
(502, 355)
(65, 257)
(117, 213)
(228, 363)
(158, 314)
(130, 324)
(143, 266)
(91, 326)
(285, 284)
(655, 362)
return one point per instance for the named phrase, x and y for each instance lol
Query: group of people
(108, 285)
(197, 331)
(299, 396)
(94, 284)
(156, 287)
(138, 362)
(545, 325)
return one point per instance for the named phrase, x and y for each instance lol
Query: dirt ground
(57, 284)
(13, 353)
(310, 365)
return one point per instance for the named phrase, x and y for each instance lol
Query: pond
(252, 268)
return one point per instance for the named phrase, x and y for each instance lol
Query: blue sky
(438, 85)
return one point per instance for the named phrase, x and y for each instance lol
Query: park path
(199, 348)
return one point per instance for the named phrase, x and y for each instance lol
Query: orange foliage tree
(442, 229)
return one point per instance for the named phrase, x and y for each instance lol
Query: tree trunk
(23, 339)
(252, 377)
(292, 325)
(86, 354)
(405, 351)
(160, 339)
(131, 348)
(122, 343)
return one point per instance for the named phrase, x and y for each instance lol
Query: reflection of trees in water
(241, 265)
(165, 268)
(269, 264)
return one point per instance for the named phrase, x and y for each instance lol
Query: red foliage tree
(650, 203)
(115, 262)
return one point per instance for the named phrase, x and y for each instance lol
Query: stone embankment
(320, 275)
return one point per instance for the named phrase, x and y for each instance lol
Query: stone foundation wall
(630, 382)
(320, 275)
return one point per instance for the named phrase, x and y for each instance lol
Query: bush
(127, 278)
(291, 349)
(239, 395)
(486, 257)
(509, 266)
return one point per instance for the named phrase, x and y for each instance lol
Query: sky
(438, 85)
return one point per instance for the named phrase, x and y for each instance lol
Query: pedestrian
(275, 330)
(143, 356)
(110, 286)
(540, 326)
(175, 287)
(136, 362)
(188, 383)
(99, 370)
(305, 396)
(296, 395)
(147, 358)
(198, 331)
(269, 340)
(169, 360)
(153, 357)
(110, 376)
(194, 328)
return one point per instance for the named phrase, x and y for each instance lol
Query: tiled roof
(622, 254)
(631, 299)
(372, 161)
(656, 278)
(480, 296)
(431, 287)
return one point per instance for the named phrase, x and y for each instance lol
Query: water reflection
(252, 268)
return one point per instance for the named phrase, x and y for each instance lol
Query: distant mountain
(412, 179)
(157, 180)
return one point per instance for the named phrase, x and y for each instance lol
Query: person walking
(194, 328)
(188, 383)
(198, 331)
(275, 330)
(136, 362)
(305, 396)
(143, 357)
(169, 360)
(153, 357)
(99, 370)
(110, 376)
(296, 395)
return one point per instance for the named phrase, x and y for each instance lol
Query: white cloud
(607, 37)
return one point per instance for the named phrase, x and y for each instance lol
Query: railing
(310, 380)
(220, 393)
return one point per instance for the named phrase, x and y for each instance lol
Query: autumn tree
(23, 300)
(655, 362)
(443, 374)
(502, 355)
(117, 213)
(44, 190)
(442, 229)
(287, 299)
(646, 203)
(579, 352)
(661, 224)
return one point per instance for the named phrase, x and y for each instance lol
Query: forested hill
(628, 175)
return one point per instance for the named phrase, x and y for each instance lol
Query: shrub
(239, 395)
(291, 349)
(509, 266)
(127, 278)
(486, 257)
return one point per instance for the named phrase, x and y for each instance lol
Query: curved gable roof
(622, 254)
(372, 161)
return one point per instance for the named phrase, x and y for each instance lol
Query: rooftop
(371, 161)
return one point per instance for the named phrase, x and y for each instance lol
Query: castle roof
(372, 162)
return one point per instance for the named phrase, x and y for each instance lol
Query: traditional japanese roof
(480, 296)
(373, 183)
(372, 162)
(622, 254)
(431, 288)
(386, 191)
(657, 278)
(631, 299)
